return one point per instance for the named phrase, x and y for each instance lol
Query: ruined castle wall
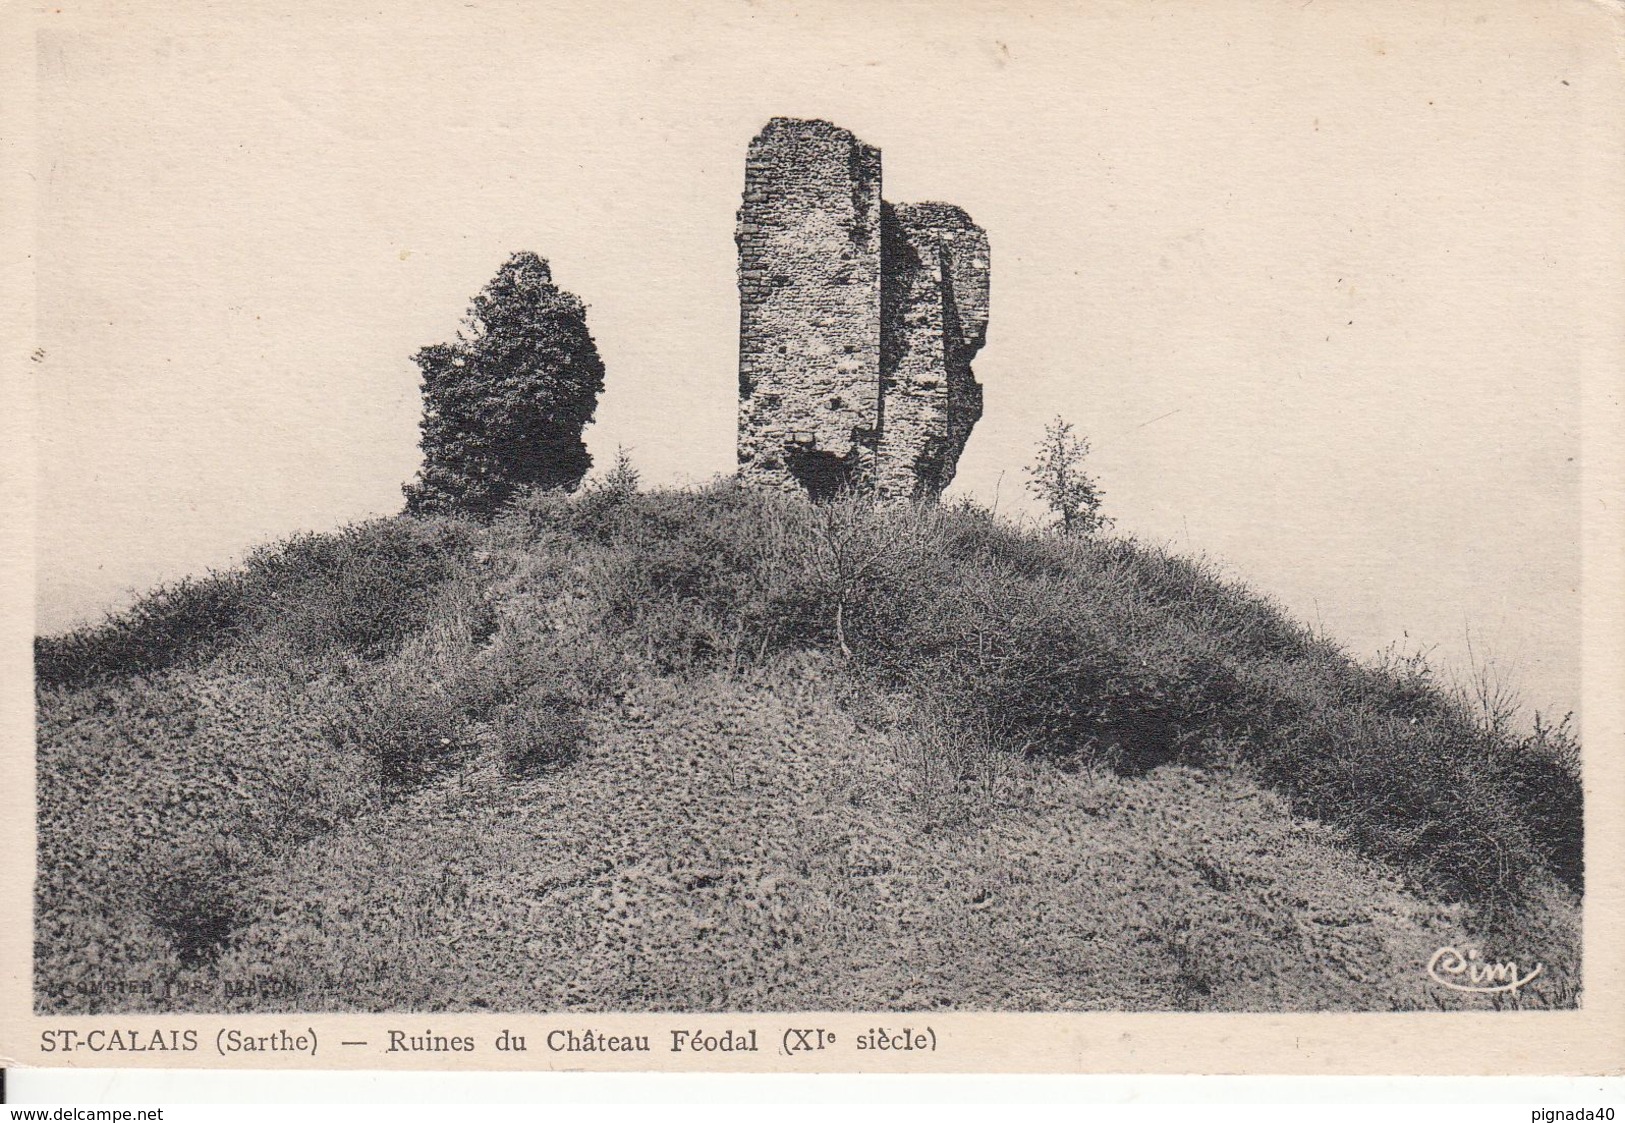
(934, 309)
(809, 285)
(858, 322)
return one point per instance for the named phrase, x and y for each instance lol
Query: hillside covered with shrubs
(722, 749)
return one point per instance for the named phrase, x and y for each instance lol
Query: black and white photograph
(751, 510)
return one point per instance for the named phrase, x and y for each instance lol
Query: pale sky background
(1310, 276)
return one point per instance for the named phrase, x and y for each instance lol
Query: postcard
(807, 537)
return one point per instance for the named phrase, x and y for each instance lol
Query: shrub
(410, 726)
(187, 621)
(364, 589)
(505, 403)
(1057, 477)
(542, 729)
(951, 762)
(193, 895)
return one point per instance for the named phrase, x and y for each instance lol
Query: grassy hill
(719, 749)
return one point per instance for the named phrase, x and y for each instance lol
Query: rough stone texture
(934, 299)
(858, 322)
(809, 300)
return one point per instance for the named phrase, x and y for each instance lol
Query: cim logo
(1467, 970)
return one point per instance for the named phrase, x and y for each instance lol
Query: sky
(1317, 281)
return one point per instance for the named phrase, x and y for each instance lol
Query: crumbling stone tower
(809, 307)
(857, 322)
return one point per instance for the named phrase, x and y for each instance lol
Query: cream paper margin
(1587, 1041)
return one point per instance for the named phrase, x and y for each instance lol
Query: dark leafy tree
(505, 403)
(1057, 477)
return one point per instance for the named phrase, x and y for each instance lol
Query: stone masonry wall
(858, 322)
(809, 297)
(934, 303)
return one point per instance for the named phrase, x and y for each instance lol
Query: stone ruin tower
(857, 322)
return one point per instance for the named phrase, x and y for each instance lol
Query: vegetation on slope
(685, 749)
